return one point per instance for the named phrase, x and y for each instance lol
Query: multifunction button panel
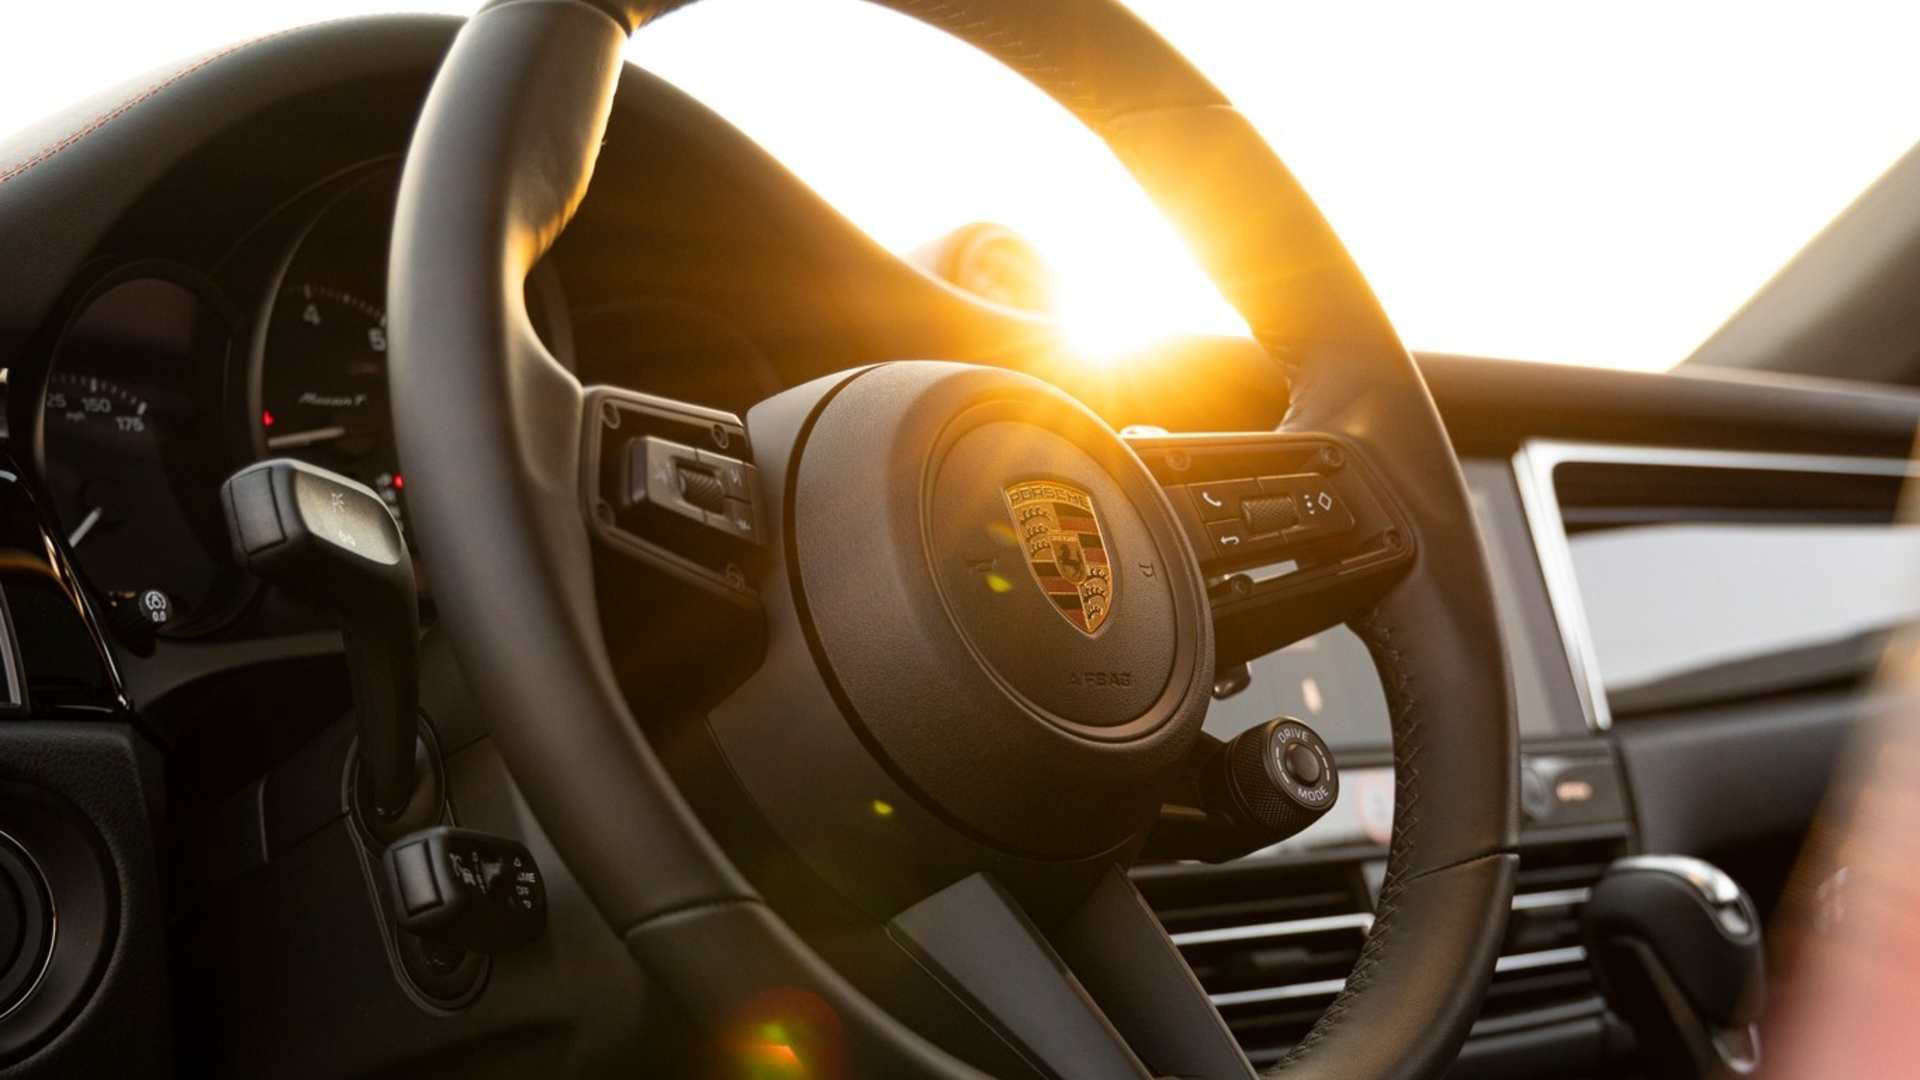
(1247, 515)
(673, 484)
(712, 488)
(1294, 532)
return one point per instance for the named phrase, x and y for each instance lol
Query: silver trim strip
(1533, 467)
(1359, 920)
(1572, 954)
(1527, 961)
(1554, 898)
(1277, 993)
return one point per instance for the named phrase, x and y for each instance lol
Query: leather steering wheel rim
(489, 429)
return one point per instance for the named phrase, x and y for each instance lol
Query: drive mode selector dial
(1279, 776)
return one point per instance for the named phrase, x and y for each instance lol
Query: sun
(1108, 311)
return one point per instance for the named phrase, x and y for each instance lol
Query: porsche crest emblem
(1060, 533)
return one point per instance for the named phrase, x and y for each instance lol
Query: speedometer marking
(305, 438)
(86, 525)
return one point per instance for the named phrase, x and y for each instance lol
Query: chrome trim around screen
(1533, 467)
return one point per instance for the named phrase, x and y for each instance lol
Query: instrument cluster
(164, 378)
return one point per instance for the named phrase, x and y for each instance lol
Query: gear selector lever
(334, 543)
(1676, 945)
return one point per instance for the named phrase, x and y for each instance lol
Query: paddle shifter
(334, 543)
(1675, 943)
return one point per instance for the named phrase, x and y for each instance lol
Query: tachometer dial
(324, 387)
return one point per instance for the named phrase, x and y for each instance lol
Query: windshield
(1535, 181)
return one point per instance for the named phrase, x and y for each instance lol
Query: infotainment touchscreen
(1688, 614)
(1688, 578)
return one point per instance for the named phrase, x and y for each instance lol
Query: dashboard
(211, 294)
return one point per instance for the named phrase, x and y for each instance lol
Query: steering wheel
(966, 769)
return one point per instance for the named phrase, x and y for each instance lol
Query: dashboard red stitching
(121, 109)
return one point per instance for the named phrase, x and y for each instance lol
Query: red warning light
(266, 418)
(399, 482)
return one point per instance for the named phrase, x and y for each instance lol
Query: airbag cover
(1005, 489)
(977, 691)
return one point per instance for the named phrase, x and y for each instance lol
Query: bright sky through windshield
(1586, 184)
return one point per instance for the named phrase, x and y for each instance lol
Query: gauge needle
(305, 438)
(86, 525)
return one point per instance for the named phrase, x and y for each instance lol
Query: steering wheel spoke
(1294, 532)
(681, 533)
(1123, 957)
(1102, 993)
(973, 937)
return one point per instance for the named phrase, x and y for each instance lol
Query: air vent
(1272, 941)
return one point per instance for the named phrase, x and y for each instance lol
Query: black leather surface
(1434, 638)
(974, 938)
(1122, 955)
(723, 958)
(505, 149)
(1403, 1012)
(965, 729)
